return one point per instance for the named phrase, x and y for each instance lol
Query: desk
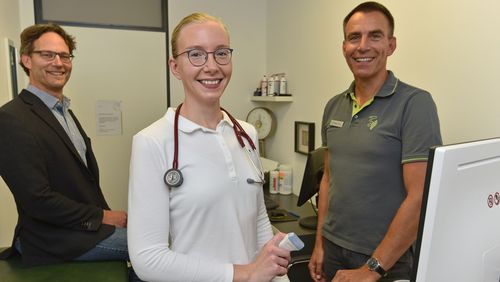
(289, 203)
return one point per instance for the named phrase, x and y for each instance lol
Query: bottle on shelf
(276, 85)
(283, 85)
(257, 92)
(263, 86)
(270, 86)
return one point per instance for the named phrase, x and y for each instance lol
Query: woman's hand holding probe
(270, 262)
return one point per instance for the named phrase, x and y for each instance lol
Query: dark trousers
(337, 258)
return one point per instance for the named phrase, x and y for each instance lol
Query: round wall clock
(263, 120)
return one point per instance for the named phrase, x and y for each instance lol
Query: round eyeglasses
(49, 56)
(199, 57)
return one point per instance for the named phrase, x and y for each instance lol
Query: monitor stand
(309, 222)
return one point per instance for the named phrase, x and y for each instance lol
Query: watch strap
(380, 271)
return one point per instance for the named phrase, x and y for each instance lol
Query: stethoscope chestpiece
(173, 178)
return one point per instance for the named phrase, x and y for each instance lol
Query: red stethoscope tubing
(174, 172)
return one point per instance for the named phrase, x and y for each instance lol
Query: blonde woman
(193, 213)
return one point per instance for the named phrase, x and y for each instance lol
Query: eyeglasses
(199, 57)
(49, 56)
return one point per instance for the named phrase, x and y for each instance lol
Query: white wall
(449, 48)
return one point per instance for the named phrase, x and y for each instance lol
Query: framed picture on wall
(12, 67)
(304, 137)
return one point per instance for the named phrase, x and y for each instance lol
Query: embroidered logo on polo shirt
(372, 122)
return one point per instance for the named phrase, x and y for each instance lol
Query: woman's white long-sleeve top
(195, 232)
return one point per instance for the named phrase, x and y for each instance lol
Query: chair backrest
(298, 270)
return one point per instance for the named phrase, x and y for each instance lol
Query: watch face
(372, 263)
(263, 120)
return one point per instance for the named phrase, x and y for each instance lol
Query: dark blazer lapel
(42, 111)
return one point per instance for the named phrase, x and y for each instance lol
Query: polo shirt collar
(188, 126)
(389, 87)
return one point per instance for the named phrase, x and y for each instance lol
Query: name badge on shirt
(336, 123)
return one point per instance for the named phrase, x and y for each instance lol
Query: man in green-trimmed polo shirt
(377, 134)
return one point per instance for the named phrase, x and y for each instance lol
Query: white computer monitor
(459, 233)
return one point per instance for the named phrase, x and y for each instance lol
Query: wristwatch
(374, 265)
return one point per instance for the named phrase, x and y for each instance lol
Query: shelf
(271, 98)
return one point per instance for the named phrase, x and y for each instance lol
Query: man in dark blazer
(47, 162)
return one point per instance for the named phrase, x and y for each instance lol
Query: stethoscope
(173, 177)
